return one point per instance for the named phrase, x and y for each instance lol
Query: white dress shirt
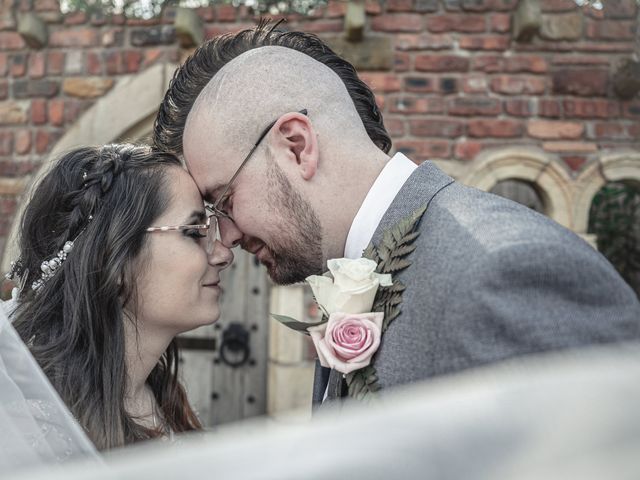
(391, 179)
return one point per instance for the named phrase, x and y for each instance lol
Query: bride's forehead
(184, 191)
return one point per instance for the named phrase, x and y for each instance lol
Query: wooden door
(222, 385)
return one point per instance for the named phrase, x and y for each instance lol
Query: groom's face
(271, 219)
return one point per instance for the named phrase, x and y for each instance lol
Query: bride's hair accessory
(51, 266)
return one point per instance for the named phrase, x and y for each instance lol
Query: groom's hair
(190, 79)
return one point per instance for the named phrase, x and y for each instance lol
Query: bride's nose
(221, 257)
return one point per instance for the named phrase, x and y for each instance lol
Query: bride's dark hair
(103, 199)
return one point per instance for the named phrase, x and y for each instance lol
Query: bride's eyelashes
(194, 233)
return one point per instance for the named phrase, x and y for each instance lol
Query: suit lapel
(320, 381)
(421, 187)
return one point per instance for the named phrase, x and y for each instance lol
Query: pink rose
(347, 341)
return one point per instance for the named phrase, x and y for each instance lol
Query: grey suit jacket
(490, 279)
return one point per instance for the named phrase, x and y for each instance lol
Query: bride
(117, 258)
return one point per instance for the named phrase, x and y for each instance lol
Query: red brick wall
(460, 82)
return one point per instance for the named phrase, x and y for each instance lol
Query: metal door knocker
(234, 348)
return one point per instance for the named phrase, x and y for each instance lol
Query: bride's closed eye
(194, 233)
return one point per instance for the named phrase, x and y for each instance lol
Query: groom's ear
(297, 138)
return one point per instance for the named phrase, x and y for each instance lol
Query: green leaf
(296, 325)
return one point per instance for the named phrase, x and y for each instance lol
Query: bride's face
(178, 282)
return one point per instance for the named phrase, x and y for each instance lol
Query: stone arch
(547, 174)
(134, 98)
(609, 167)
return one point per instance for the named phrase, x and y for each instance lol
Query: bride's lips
(213, 285)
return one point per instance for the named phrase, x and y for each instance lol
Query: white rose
(353, 287)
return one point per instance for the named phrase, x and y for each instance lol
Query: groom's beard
(296, 252)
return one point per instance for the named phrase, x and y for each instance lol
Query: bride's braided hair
(103, 199)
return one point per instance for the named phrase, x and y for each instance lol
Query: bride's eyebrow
(197, 216)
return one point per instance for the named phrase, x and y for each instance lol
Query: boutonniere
(359, 299)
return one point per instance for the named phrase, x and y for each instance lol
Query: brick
(609, 130)
(85, 37)
(583, 108)
(570, 146)
(487, 42)
(420, 84)
(42, 141)
(4, 90)
(561, 26)
(557, 5)
(322, 26)
(448, 85)
(467, 149)
(494, 128)
(421, 150)
(452, 5)
(582, 82)
(6, 143)
(113, 37)
(75, 18)
(633, 130)
(526, 64)
(4, 64)
(426, 6)
(132, 60)
(38, 111)
(451, 22)
(518, 107)
(474, 84)
(395, 127)
(401, 62)
(56, 112)
(512, 85)
(160, 35)
(399, 5)
(35, 88)
(469, 106)
(621, 10)
(417, 105)
(381, 82)
(94, 63)
(336, 9)
(549, 108)
(373, 7)
(13, 113)
(112, 61)
(87, 87)
(423, 41)
(574, 162)
(611, 30)
(573, 59)
(23, 142)
(488, 63)
(37, 64)
(436, 128)
(74, 62)
(545, 129)
(484, 5)
(398, 22)
(11, 41)
(225, 13)
(500, 22)
(55, 62)
(18, 65)
(441, 63)
(632, 109)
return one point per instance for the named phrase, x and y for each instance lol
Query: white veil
(36, 427)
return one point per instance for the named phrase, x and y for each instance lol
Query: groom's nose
(230, 235)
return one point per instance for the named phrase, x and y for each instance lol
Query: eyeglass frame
(215, 211)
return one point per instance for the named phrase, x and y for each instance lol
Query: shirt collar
(383, 191)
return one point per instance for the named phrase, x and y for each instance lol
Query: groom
(292, 151)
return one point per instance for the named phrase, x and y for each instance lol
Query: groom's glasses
(215, 208)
